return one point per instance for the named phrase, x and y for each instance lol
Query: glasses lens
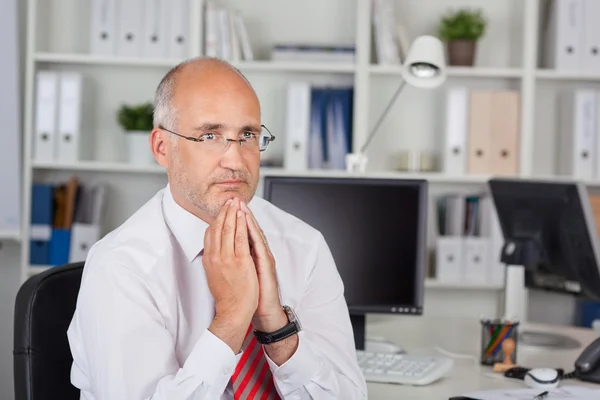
(264, 139)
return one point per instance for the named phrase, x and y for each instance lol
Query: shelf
(467, 72)
(99, 166)
(550, 74)
(246, 66)
(10, 235)
(435, 284)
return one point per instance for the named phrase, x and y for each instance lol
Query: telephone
(587, 365)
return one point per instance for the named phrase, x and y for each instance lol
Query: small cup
(495, 348)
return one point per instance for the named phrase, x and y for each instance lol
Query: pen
(541, 395)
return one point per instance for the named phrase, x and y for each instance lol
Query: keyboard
(404, 369)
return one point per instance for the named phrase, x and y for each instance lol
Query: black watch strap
(271, 337)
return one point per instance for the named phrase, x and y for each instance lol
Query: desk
(420, 334)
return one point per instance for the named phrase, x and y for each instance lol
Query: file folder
(480, 135)
(103, 27)
(297, 126)
(70, 141)
(42, 208)
(129, 28)
(155, 28)
(455, 148)
(178, 43)
(46, 109)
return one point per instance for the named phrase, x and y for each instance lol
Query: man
(208, 292)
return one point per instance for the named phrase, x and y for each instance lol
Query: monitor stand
(517, 254)
(359, 322)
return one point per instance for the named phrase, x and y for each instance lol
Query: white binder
(129, 28)
(591, 37)
(297, 126)
(70, 142)
(475, 258)
(103, 27)
(155, 28)
(578, 134)
(178, 40)
(449, 259)
(46, 106)
(455, 147)
(564, 36)
(83, 237)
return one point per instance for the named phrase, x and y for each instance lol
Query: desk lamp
(425, 67)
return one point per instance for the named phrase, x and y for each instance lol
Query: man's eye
(209, 136)
(248, 135)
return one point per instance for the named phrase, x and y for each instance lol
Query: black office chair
(42, 358)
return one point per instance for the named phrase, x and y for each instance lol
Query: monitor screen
(375, 230)
(549, 229)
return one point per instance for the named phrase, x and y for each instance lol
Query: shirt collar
(187, 228)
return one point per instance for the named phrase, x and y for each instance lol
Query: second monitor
(376, 231)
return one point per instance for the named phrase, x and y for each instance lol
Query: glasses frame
(240, 141)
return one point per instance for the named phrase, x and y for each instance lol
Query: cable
(448, 353)
(387, 109)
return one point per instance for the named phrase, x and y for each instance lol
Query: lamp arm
(381, 118)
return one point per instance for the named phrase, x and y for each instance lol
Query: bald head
(165, 110)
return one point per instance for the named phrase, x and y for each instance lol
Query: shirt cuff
(298, 370)
(212, 361)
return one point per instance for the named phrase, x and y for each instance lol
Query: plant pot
(462, 52)
(137, 148)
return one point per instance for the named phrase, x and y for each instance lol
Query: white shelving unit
(507, 58)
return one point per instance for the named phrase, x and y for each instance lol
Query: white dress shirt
(140, 329)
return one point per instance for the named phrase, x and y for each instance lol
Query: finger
(242, 246)
(250, 216)
(228, 231)
(257, 238)
(217, 227)
(207, 241)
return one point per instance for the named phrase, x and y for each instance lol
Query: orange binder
(504, 157)
(480, 145)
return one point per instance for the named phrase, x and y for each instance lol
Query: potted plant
(137, 122)
(461, 30)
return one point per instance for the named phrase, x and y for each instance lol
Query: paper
(567, 392)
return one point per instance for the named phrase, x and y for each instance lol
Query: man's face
(219, 103)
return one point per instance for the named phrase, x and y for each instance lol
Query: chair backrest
(42, 359)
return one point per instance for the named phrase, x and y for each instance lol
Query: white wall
(10, 267)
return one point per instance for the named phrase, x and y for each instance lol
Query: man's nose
(233, 158)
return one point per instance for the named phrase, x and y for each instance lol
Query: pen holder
(493, 347)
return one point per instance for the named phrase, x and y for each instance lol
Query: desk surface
(420, 335)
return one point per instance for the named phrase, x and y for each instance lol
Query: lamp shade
(425, 65)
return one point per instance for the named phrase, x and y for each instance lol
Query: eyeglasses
(216, 142)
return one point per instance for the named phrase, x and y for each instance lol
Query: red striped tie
(252, 378)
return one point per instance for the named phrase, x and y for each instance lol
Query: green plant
(136, 118)
(465, 24)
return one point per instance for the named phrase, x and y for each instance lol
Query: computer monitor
(549, 229)
(376, 231)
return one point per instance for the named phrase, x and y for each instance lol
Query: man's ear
(159, 146)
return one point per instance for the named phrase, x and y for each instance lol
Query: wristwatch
(293, 326)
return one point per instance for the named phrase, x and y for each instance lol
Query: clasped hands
(240, 271)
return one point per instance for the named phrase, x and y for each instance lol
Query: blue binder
(42, 210)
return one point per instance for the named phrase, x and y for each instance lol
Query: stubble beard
(200, 195)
